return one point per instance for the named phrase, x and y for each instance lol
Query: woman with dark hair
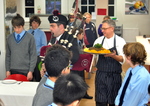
(100, 26)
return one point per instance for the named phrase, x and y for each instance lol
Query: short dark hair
(36, 19)
(137, 52)
(57, 58)
(74, 31)
(69, 88)
(106, 17)
(17, 21)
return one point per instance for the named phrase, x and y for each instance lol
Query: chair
(17, 77)
(83, 63)
(43, 50)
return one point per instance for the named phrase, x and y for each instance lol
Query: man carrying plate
(108, 75)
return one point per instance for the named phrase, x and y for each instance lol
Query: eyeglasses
(104, 28)
(69, 66)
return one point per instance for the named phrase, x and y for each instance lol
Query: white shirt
(109, 43)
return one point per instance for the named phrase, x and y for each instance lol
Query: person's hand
(84, 46)
(94, 68)
(110, 54)
(43, 70)
(29, 76)
(7, 73)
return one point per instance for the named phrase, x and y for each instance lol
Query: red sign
(101, 11)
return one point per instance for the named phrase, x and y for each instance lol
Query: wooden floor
(91, 83)
(91, 90)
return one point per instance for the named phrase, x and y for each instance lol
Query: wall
(131, 22)
(103, 4)
(2, 40)
(65, 8)
(140, 22)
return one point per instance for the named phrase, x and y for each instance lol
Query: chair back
(43, 50)
(17, 77)
(83, 63)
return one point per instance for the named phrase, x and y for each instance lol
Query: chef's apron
(108, 78)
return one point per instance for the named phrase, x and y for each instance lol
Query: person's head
(80, 34)
(88, 17)
(57, 23)
(57, 60)
(18, 23)
(108, 27)
(69, 90)
(106, 17)
(35, 22)
(135, 52)
(71, 17)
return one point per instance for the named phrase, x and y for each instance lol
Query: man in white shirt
(108, 75)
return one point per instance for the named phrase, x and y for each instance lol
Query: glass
(110, 10)
(83, 9)
(69, 66)
(91, 9)
(29, 3)
(104, 28)
(91, 1)
(83, 1)
(110, 1)
(29, 11)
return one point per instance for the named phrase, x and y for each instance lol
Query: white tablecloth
(18, 94)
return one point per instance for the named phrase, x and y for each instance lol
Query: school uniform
(20, 54)
(90, 33)
(44, 94)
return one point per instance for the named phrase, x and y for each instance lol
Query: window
(111, 8)
(87, 6)
(29, 7)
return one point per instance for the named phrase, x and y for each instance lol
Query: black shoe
(87, 97)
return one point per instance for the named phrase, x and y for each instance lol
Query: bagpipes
(85, 60)
(68, 31)
(67, 42)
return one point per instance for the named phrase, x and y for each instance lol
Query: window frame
(113, 6)
(88, 5)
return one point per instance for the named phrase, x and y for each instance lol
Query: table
(18, 94)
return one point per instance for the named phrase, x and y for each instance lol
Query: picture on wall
(10, 12)
(52, 5)
(136, 7)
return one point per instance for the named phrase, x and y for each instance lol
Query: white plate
(9, 81)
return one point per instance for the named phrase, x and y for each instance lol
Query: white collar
(57, 38)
